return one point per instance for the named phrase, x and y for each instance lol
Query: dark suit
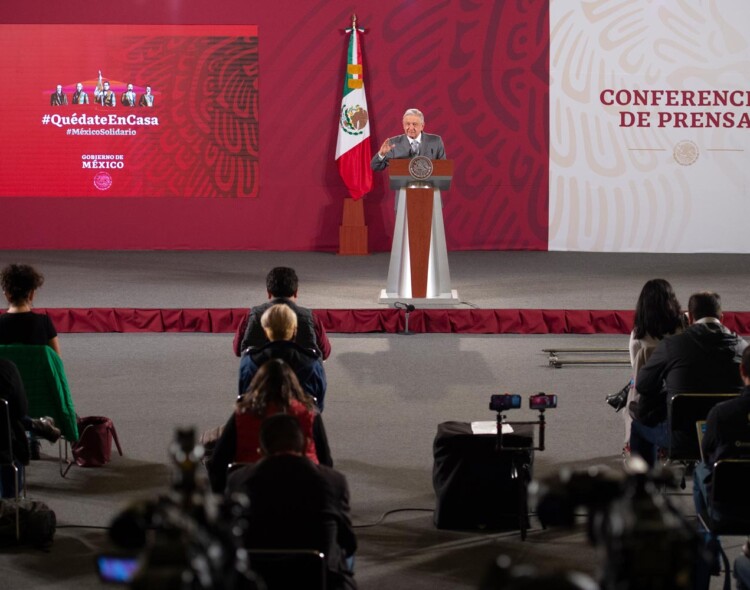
(57, 100)
(295, 504)
(80, 97)
(128, 98)
(146, 100)
(429, 145)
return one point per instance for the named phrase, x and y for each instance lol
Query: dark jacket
(295, 504)
(304, 362)
(727, 424)
(705, 358)
(305, 337)
(12, 390)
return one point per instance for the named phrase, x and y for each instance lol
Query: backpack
(37, 523)
(94, 445)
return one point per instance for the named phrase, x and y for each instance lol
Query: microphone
(408, 308)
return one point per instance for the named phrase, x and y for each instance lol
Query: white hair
(415, 113)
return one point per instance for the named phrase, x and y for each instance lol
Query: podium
(418, 271)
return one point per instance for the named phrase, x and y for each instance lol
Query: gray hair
(415, 113)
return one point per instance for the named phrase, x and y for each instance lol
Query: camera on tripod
(507, 401)
(647, 543)
(503, 402)
(186, 538)
(542, 401)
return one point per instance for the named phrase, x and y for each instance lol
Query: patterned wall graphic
(650, 131)
(479, 71)
(212, 148)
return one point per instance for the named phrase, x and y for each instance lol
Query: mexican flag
(353, 151)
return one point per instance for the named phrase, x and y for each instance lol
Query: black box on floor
(474, 483)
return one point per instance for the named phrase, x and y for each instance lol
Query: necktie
(414, 148)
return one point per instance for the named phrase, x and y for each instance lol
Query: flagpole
(353, 230)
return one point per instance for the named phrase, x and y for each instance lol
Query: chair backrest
(281, 569)
(684, 410)
(45, 383)
(6, 440)
(728, 497)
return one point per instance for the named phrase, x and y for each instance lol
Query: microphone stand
(408, 308)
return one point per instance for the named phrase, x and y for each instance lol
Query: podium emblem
(420, 167)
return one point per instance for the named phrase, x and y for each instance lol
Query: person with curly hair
(273, 390)
(19, 324)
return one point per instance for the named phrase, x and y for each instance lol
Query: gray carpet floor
(387, 394)
(548, 280)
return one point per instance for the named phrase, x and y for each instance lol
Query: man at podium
(418, 269)
(412, 143)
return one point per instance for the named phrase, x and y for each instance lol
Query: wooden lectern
(418, 270)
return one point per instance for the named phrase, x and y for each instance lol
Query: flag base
(353, 231)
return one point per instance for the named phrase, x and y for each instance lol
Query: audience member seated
(703, 359)
(273, 390)
(282, 285)
(20, 325)
(295, 504)
(12, 391)
(280, 325)
(657, 315)
(727, 424)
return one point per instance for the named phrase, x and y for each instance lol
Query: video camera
(648, 544)
(185, 539)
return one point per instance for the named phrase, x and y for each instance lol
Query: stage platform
(501, 292)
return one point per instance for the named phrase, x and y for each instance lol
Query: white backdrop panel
(678, 182)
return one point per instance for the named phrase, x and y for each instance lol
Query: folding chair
(683, 411)
(7, 460)
(47, 390)
(727, 511)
